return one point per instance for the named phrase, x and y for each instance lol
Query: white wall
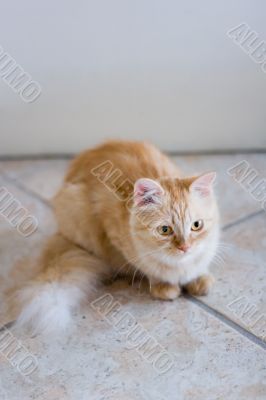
(162, 70)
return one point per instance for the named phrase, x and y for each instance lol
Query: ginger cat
(123, 209)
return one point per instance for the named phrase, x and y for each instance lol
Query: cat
(123, 209)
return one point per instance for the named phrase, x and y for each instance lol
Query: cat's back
(133, 159)
(86, 199)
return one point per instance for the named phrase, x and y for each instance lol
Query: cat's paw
(200, 286)
(165, 291)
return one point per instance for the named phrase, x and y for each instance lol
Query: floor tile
(16, 240)
(234, 201)
(240, 290)
(44, 177)
(100, 360)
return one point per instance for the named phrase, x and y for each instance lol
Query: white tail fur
(48, 307)
(68, 275)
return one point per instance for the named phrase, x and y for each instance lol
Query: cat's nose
(184, 247)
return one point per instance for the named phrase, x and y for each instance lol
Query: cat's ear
(147, 191)
(203, 184)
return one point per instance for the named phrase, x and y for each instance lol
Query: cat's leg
(200, 286)
(68, 274)
(165, 291)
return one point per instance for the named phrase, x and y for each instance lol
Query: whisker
(134, 259)
(141, 280)
(225, 245)
(134, 276)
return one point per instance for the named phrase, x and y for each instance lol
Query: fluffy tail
(68, 275)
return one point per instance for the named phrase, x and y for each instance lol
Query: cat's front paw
(165, 291)
(200, 286)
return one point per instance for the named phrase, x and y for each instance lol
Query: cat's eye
(165, 230)
(197, 225)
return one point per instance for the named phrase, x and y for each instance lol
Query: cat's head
(175, 217)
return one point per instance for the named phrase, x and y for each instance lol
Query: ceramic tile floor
(205, 348)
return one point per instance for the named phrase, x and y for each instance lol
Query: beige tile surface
(43, 177)
(212, 358)
(240, 290)
(14, 246)
(99, 361)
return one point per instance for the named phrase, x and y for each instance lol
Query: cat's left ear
(203, 184)
(147, 191)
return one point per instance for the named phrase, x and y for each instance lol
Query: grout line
(227, 321)
(8, 325)
(25, 189)
(217, 152)
(37, 157)
(67, 156)
(242, 219)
